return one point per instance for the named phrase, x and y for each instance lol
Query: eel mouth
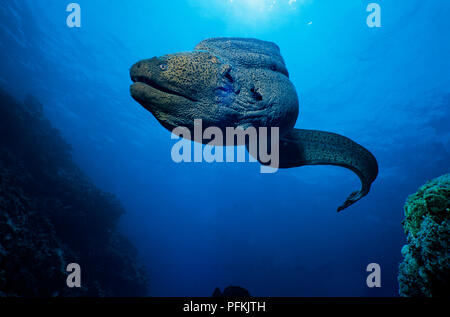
(147, 82)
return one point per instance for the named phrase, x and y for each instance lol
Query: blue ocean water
(200, 226)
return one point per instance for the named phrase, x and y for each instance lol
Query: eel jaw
(166, 104)
(145, 82)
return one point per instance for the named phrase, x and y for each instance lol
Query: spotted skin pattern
(237, 82)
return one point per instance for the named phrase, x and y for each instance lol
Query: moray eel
(237, 82)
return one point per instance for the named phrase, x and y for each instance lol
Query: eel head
(180, 88)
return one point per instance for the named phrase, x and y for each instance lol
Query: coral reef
(51, 215)
(425, 270)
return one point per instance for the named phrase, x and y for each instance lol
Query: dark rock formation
(232, 292)
(425, 270)
(51, 215)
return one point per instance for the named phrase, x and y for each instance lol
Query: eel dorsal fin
(247, 53)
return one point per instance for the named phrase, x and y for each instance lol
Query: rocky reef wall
(51, 214)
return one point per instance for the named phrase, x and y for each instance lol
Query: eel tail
(310, 147)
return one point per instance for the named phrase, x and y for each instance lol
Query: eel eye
(163, 67)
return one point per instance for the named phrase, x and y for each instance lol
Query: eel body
(243, 83)
(310, 147)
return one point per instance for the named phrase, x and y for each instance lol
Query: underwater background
(199, 226)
